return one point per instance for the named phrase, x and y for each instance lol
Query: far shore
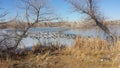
(70, 25)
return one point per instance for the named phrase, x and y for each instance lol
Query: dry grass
(86, 53)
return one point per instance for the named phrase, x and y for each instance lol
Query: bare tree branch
(34, 10)
(3, 13)
(90, 8)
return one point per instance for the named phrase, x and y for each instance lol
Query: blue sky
(110, 9)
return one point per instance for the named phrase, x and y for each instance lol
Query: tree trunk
(106, 30)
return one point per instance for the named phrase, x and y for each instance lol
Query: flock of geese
(50, 35)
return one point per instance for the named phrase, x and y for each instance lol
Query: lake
(62, 36)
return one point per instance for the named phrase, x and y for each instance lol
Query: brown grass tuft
(86, 53)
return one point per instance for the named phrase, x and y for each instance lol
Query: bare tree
(5, 39)
(90, 8)
(35, 12)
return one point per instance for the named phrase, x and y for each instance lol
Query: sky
(110, 9)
